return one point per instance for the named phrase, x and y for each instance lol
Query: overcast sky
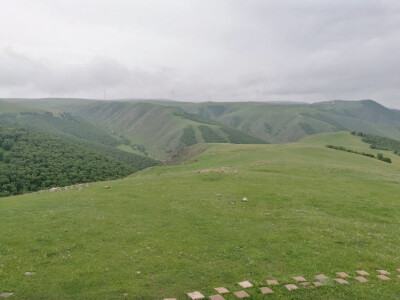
(196, 50)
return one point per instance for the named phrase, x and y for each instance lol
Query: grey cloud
(17, 70)
(307, 50)
(20, 70)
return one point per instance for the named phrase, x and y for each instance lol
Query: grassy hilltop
(164, 231)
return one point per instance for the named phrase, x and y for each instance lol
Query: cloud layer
(202, 49)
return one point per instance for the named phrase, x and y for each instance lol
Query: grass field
(164, 232)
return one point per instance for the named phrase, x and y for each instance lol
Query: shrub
(379, 155)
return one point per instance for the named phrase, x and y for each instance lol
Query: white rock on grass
(6, 294)
(29, 273)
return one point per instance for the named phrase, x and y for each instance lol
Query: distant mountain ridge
(146, 128)
(280, 123)
(160, 127)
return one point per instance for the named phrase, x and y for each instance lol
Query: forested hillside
(32, 161)
(77, 131)
(41, 149)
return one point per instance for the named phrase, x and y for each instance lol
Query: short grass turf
(164, 232)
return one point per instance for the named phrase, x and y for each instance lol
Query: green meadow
(169, 230)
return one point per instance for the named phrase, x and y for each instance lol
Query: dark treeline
(188, 136)
(210, 136)
(32, 161)
(238, 137)
(379, 156)
(379, 142)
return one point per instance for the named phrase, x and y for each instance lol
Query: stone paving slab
(241, 294)
(341, 281)
(266, 290)
(272, 282)
(299, 278)
(245, 284)
(291, 286)
(383, 277)
(321, 277)
(360, 279)
(362, 273)
(318, 283)
(221, 290)
(342, 274)
(195, 295)
(217, 297)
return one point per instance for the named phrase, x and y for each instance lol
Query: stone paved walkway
(301, 283)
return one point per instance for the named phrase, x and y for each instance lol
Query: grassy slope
(311, 210)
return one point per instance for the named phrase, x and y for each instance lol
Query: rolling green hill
(143, 121)
(167, 231)
(155, 129)
(279, 123)
(160, 127)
